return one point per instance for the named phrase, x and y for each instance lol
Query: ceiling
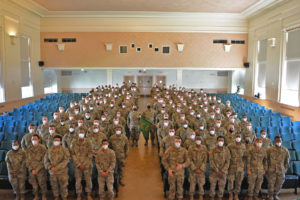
(207, 6)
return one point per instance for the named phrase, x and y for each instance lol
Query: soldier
(227, 108)
(96, 138)
(119, 143)
(55, 121)
(198, 159)
(220, 131)
(167, 142)
(236, 168)
(70, 136)
(62, 128)
(211, 122)
(49, 138)
(190, 141)
(202, 131)
(149, 115)
(56, 162)
(175, 160)
(266, 141)
(219, 159)
(43, 129)
(35, 163)
(278, 163)
(249, 132)
(133, 122)
(256, 168)
(62, 112)
(184, 132)
(210, 140)
(164, 130)
(105, 162)
(15, 160)
(26, 140)
(81, 152)
(230, 136)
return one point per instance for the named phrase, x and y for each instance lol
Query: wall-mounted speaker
(246, 64)
(41, 63)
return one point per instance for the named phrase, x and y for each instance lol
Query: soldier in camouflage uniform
(210, 140)
(198, 159)
(56, 162)
(190, 141)
(267, 143)
(184, 132)
(219, 160)
(35, 163)
(236, 167)
(133, 122)
(26, 140)
(175, 160)
(96, 138)
(43, 129)
(149, 115)
(278, 164)
(70, 136)
(167, 142)
(119, 143)
(201, 130)
(49, 138)
(220, 131)
(62, 128)
(81, 152)
(105, 162)
(15, 160)
(256, 168)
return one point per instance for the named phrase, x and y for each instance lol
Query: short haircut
(277, 137)
(35, 135)
(57, 136)
(15, 141)
(104, 140)
(220, 137)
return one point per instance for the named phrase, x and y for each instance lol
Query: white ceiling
(207, 6)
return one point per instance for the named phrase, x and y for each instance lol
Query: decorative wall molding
(32, 7)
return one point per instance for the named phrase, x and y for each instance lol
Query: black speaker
(246, 64)
(41, 63)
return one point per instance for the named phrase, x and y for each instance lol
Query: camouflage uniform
(210, 141)
(81, 152)
(120, 145)
(35, 161)
(188, 143)
(96, 140)
(219, 159)
(278, 163)
(162, 133)
(236, 167)
(172, 157)
(58, 158)
(184, 133)
(149, 116)
(220, 131)
(26, 141)
(198, 159)
(43, 130)
(167, 142)
(15, 161)
(62, 129)
(257, 164)
(105, 162)
(68, 139)
(133, 122)
(267, 143)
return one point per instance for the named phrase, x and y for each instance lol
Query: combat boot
(236, 197)
(230, 196)
(121, 182)
(276, 197)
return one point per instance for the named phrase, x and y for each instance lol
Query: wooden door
(144, 84)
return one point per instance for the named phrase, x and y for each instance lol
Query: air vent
(220, 41)
(66, 73)
(69, 40)
(222, 73)
(50, 39)
(237, 41)
(166, 49)
(123, 49)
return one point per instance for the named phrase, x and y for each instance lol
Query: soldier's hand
(198, 171)
(220, 173)
(179, 167)
(34, 172)
(248, 172)
(170, 172)
(82, 166)
(53, 169)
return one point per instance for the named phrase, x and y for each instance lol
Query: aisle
(142, 172)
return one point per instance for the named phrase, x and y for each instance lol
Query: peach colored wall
(89, 50)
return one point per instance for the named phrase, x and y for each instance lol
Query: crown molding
(32, 7)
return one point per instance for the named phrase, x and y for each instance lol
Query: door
(145, 84)
(129, 79)
(161, 80)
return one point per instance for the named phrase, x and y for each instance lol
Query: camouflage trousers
(255, 180)
(275, 180)
(134, 133)
(87, 177)
(177, 179)
(18, 182)
(195, 179)
(235, 178)
(109, 181)
(120, 162)
(59, 184)
(151, 133)
(214, 178)
(40, 179)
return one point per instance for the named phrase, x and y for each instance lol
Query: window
(261, 68)
(1, 94)
(291, 69)
(26, 84)
(50, 81)
(123, 49)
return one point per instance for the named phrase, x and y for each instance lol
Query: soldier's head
(72, 127)
(171, 132)
(134, 108)
(263, 134)
(116, 121)
(212, 115)
(163, 111)
(238, 137)
(185, 124)
(45, 120)
(278, 141)
(15, 145)
(57, 140)
(218, 123)
(31, 128)
(198, 115)
(193, 135)
(258, 142)
(249, 126)
(72, 105)
(231, 128)
(96, 122)
(228, 103)
(118, 131)
(62, 121)
(105, 144)
(192, 112)
(71, 116)
(80, 123)
(103, 117)
(231, 119)
(228, 113)
(87, 115)
(220, 141)
(81, 133)
(212, 131)
(56, 115)
(182, 116)
(35, 140)
(177, 142)
(166, 116)
(76, 111)
(198, 140)
(166, 122)
(91, 107)
(52, 129)
(244, 118)
(201, 126)
(118, 114)
(61, 109)
(95, 128)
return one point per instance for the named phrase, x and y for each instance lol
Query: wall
(89, 50)
(15, 19)
(271, 24)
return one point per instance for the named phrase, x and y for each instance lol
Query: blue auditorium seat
(298, 155)
(296, 144)
(296, 131)
(296, 123)
(286, 134)
(286, 121)
(287, 144)
(292, 155)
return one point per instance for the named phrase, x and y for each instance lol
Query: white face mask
(171, 134)
(220, 143)
(232, 120)
(96, 130)
(105, 146)
(71, 118)
(80, 124)
(192, 113)
(56, 143)
(198, 142)
(166, 123)
(244, 119)
(71, 129)
(51, 132)
(61, 110)
(55, 117)
(81, 135)
(15, 147)
(192, 137)
(264, 136)
(87, 117)
(76, 112)
(238, 139)
(96, 123)
(218, 125)
(198, 116)
(45, 122)
(91, 108)
(212, 132)
(185, 126)
(278, 144)
(212, 116)
(182, 118)
(249, 128)
(205, 110)
(31, 130)
(259, 144)
(34, 142)
(118, 132)
(62, 123)
(103, 119)
(201, 128)
(177, 144)
(218, 111)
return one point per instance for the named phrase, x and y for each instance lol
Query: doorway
(144, 84)
(161, 80)
(129, 80)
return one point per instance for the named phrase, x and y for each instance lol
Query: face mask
(96, 130)
(220, 143)
(212, 132)
(166, 123)
(71, 130)
(15, 147)
(278, 144)
(116, 122)
(264, 136)
(134, 109)
(148, 107)
(87, 117)
(232, 120)
(31, 130)
(111, 105)
(182, 118)
(259, 145)
(123, 107)
(249, 128)
(198, 116)
(228, 104)
(76, 112)
(56, 143)
(201, 127)
(34, 142)
(185, 126)
(244, 119)
(247, 142)
(238, 139)
(80, 124)
(71, 118)
(118, 132)
(205, 110)
(62, 123)
(105, 146)
(45, 122)
(171, 134)
(55, 117)
(81, 135)
(91, 108)
(231, 130)
(219, 101)
(218, 125)
(51, 131)
(198, 142)
(61, 111)
(192, 113)
(192, 137)
(163, 111)
(103, 119)
(212, 116)
(177, 144)
(178, 110)
(72, 105)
